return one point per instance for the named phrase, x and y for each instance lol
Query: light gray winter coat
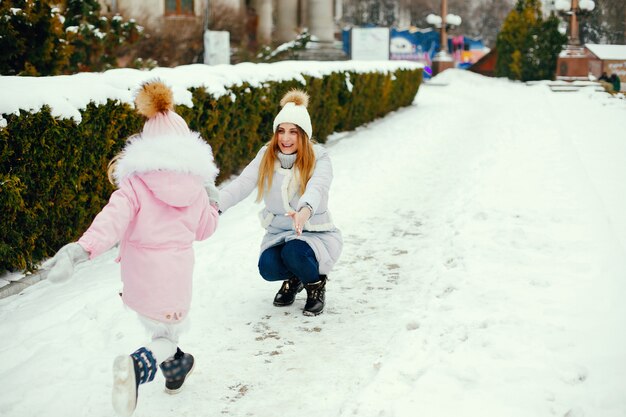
(319, 232)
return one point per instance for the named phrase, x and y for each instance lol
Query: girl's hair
(111, 168)
(113, 163)
(305, 162)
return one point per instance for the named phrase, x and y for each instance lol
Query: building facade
(273, 20)
(609, 59)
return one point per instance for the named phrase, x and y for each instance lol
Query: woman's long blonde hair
(305, 163)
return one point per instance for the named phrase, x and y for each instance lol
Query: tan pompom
(298, 97)
(154, 97)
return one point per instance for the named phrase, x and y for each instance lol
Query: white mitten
(61, 266)
(213, 193)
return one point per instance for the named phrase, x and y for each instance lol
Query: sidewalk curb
(16, 287)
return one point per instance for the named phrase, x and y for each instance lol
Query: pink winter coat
(160, 208)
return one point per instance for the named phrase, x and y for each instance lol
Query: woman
(292, 176)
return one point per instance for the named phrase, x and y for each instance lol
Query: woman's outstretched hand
(299, 218)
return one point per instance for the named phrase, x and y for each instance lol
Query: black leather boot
(287, 293)
(315, 294)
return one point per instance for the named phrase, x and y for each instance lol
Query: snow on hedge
(68, 94)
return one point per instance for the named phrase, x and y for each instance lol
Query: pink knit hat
(155, 101)
(165, 123)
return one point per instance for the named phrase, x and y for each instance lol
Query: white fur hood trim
(179, 153)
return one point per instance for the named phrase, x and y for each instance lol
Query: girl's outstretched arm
(207, 223)
(111, 223)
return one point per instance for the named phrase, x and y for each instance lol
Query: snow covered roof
(607, 51)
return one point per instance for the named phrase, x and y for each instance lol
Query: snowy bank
(68, 94)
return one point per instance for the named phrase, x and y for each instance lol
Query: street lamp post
(443, 60)
(573, 63)
(573, 8)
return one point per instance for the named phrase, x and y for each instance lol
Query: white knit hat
(294, 111)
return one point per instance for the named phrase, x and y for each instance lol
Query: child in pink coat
(160, 207)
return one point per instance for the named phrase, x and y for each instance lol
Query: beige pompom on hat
(294, 111)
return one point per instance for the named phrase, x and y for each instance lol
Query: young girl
(160, 207)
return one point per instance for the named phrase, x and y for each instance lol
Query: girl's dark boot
(176, 370)
(315, 294)
(130, 371)
(287, 293)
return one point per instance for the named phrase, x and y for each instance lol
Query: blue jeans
(294, 258)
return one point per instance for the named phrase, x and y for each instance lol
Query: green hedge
(53, 171)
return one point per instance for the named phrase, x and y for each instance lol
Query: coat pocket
(266, 218)
(320, 222)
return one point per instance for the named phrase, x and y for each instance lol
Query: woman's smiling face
(288, 138)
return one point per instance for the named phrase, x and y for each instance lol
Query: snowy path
(483, 275)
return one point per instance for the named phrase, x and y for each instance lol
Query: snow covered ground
(483, 274)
